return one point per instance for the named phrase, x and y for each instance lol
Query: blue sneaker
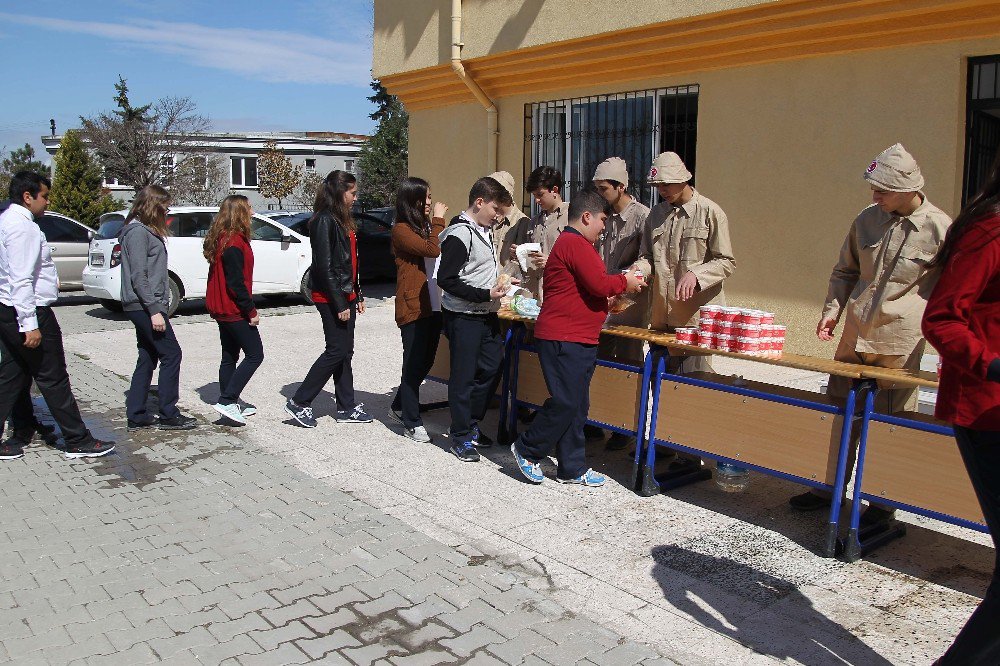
(466, 451)
(589, 478)
(356, 415)
(302, 415)
(531, 471)
(481, 439)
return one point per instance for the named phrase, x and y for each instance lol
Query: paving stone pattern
(200, 548)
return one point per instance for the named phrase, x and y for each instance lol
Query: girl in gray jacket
(145, 300)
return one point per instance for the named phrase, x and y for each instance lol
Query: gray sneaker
(231, 412)
(418, 434)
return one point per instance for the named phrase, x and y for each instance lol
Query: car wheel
(108, 304)
(304, 288)
(175, 297)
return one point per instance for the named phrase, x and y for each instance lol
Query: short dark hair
(588, 202)
(489, 189)
(27, 181)
(544, 176)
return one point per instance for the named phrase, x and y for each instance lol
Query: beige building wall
(781, 147)
(414, 34)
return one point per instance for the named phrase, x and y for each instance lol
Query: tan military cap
(613, 168)
(669, 168)
(505, 179)
(895, 170)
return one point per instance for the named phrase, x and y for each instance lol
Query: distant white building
(315, 152)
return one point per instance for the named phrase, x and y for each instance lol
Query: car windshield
(110, 226)
(299, 223)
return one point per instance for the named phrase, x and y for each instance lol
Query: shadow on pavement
(799, 631)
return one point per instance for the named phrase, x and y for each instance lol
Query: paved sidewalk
(202, 548)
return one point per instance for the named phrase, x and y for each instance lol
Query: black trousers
(22, 414)
(237, 336)
(335, 361)
(420, 343)
(154, 349)
(476, 359)
(978, 644)
(46, 364)
(567, 368)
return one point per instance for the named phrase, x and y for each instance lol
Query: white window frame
(243, 171)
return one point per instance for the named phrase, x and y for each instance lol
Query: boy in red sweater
(577, 292)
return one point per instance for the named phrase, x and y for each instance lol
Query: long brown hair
(150, 207)
(233, 219)
(330, 198)
(986, 203)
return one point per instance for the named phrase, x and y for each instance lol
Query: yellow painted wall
(414, 34)
(781, 148)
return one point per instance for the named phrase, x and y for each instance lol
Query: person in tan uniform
(506, 230)
(685, 249)
(619, 248)
(545, 185)
(879, 288)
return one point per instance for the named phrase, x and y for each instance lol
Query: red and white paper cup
(687, 336)
(748, 346)
(767, 318)
(710, 311)
(708, 325)
(748, 316)
(729, 314)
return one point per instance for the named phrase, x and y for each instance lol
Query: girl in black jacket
(337, 294)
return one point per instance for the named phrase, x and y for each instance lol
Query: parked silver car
(69, 241)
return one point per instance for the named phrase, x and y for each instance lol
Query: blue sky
(250, 65)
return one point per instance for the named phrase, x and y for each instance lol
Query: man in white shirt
(31, 344)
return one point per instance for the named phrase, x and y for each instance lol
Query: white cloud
(274, 56)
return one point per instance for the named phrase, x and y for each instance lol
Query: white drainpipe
(493, 135)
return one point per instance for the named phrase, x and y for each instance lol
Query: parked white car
(281, 257)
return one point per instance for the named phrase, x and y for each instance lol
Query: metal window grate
(982, 126)
(575, 135)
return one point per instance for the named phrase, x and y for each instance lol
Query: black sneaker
(24, 436)
(94, 449)
(356, 415)
(11, 450)
(466, 451)
(179, 422)
(480, 438)
(396, 414)
(302, 415)
(140, 425)
(617, 441)
(809, 501)
(875, 515)
(592, 433)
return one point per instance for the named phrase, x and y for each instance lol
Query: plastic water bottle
(731, 478)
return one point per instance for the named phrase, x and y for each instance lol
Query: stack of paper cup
(687, 336)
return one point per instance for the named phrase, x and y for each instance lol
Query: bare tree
(305, 194)
(200, 180)
(140, 145)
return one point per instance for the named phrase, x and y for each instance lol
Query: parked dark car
(375, 258)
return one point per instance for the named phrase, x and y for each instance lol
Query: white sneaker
(247, 409)
(231, 412)
(418, 434)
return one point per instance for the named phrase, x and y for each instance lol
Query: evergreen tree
(21, 159)
(76, 188)
(383, 161)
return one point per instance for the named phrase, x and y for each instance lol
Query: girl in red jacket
(230, 302)
(962, 321)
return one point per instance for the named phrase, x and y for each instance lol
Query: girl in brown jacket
(418, 309)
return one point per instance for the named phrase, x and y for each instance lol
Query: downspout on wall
(493, 135)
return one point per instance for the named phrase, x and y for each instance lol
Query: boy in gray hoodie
(467, 275)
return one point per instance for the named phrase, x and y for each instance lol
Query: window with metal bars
(982, 126)
(575, 135)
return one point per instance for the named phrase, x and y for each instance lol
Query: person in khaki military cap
(685, 248)
(879, 288)
(508, 227)
(619, 247)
